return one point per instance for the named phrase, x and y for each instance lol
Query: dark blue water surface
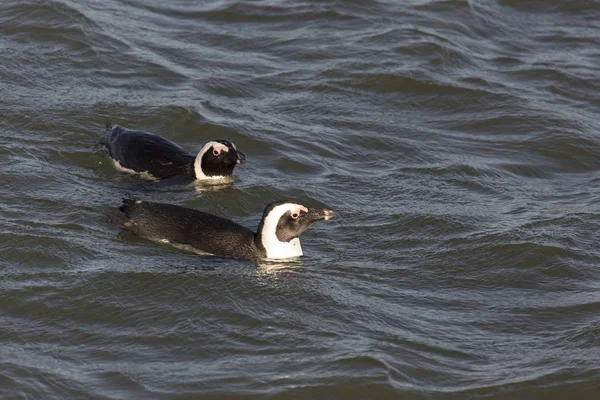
(458, 141)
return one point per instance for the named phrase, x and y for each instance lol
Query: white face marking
(296, 213)
(274, 247)
(220, 148)
(198, 161)
(144, 174)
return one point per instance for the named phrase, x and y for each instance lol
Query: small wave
(240, 12)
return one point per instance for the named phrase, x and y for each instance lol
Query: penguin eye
(295, 215)
(216, 152)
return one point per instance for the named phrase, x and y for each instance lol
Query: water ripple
(456, 140)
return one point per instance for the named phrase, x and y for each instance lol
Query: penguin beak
(328, 214)
(241, 158)
(318, 214)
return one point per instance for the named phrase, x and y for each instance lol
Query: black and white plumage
(277, 236)
(141, 152)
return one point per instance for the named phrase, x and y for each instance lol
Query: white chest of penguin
(278, 249)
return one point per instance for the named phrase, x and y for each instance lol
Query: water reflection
(272, 266)
(213, 185)
(177, 184)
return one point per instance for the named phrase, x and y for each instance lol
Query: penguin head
(282, 224)
(217, 159)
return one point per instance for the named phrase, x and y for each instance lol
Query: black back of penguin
(146, 152)
(203, 231)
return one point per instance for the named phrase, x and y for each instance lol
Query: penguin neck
(208, 172)
(198, 166)
(267, 242)
(198, 170)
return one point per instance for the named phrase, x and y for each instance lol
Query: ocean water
(458, 142)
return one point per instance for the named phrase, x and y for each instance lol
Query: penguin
(139, 152)
(277, 236)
